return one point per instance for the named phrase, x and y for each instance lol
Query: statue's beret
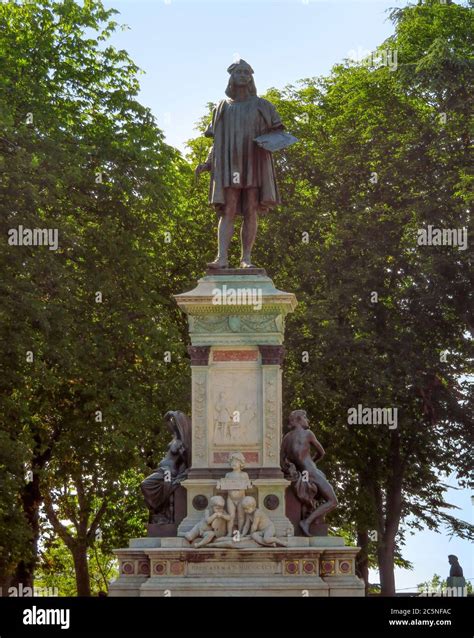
(237, 63)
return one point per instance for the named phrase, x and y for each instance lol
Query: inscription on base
(233, 567)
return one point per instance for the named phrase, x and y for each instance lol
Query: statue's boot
(218, 263)
(305, 527)
(245, 262)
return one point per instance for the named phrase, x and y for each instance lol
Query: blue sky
(185, 48)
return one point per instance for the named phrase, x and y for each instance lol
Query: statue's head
(241, 75)
(249, 504)
(453, 560)
(237, 461)
(217, 503)
(298, 417)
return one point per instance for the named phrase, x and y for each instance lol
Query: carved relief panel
(235, 406)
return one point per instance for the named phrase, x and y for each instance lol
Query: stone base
(236, 271)
(321, 567)
(456, 581)
(178, 500)
(162, 529)
(294, 512)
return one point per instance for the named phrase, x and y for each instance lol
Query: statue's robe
(157, 490)
(456, 570)
(236, 160)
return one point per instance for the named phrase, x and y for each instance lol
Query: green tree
(56, 574)
(15, 536)
(88, 329)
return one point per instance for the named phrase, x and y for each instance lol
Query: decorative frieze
(271, 415)
(235, 355)
(199, 417)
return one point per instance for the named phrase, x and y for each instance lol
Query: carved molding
(200, 414)
(236, 324)
(271, 416)
(235, 355)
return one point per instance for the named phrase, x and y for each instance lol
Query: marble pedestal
(236, 325)
(320, 567)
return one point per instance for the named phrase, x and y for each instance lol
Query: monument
(456, 581)
(236, 509)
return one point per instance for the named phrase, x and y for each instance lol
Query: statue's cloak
(236, 160)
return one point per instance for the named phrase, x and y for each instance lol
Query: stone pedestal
(236, 325)
(456, 586)
(304, 568)
(179, 499)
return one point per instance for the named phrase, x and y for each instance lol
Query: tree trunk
(24, 573)
(386, 567)
(362, 558)
(79, 544)
(81, 567)
(31, 498)
(392, 518)
(388, 516)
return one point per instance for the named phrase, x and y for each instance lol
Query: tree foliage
(96, 316)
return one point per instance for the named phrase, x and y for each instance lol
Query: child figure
(234, 497)
(261, 528)
(213, 525)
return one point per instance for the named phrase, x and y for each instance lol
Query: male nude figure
(296, 448)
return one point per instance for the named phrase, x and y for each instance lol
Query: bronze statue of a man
(242, 173)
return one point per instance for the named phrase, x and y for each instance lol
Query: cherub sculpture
(213, 525)
(261, 528)
(235, 496)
